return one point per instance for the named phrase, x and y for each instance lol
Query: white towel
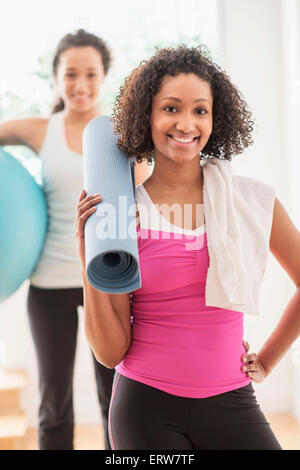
(238, 217)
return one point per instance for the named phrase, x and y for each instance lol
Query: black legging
(145, 418)
(54, 323)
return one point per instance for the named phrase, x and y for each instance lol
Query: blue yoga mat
(111, 250)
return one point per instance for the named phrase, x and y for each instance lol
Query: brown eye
(171, 109)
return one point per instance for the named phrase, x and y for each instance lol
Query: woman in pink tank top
(180, 382)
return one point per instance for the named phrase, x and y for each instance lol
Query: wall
(291, 68)
(255, 50)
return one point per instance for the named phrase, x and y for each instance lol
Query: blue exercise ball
(23, 224)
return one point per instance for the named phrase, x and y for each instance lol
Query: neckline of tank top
(64, 136)
(185, 231)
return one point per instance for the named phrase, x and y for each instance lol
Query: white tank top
(62, 178)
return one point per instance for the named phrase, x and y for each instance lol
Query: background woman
(80, 65)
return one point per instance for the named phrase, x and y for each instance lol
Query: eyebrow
(179, 100)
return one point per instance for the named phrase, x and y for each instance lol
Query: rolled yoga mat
(111, 250)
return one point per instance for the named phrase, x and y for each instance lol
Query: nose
(81, 85)
(185, 123)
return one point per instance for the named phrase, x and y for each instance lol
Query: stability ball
(23, 224)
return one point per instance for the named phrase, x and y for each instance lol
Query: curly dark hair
(232, 124)
(80, 38)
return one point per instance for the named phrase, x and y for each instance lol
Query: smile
(81, 97)
(182, 140)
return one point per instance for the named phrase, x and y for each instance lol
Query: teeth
(179, 139)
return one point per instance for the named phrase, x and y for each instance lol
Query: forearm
(103, 328)
(285, 333)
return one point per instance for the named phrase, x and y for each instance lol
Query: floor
(284, 426)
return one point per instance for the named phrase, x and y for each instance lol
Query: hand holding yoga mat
(111, 250)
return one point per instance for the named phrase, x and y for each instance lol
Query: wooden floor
(283, 425)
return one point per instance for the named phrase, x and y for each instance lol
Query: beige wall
(259, 55)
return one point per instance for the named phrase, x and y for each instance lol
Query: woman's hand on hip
(85, 208)
(254, 369)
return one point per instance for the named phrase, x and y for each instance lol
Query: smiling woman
(180, 125)
(180, 352)
(79, 74)
(79, 67)
(163, 76)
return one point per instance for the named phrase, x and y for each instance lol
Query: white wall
(254, 38)
(291, 47)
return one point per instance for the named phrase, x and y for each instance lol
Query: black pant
(54, 322)
(145, 418)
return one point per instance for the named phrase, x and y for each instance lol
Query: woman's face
(181, 118)
(79, 76)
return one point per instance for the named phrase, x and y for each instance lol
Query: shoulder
(142, 171)
(35, 130)
(35, 124)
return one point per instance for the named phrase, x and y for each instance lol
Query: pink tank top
(179, 345)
